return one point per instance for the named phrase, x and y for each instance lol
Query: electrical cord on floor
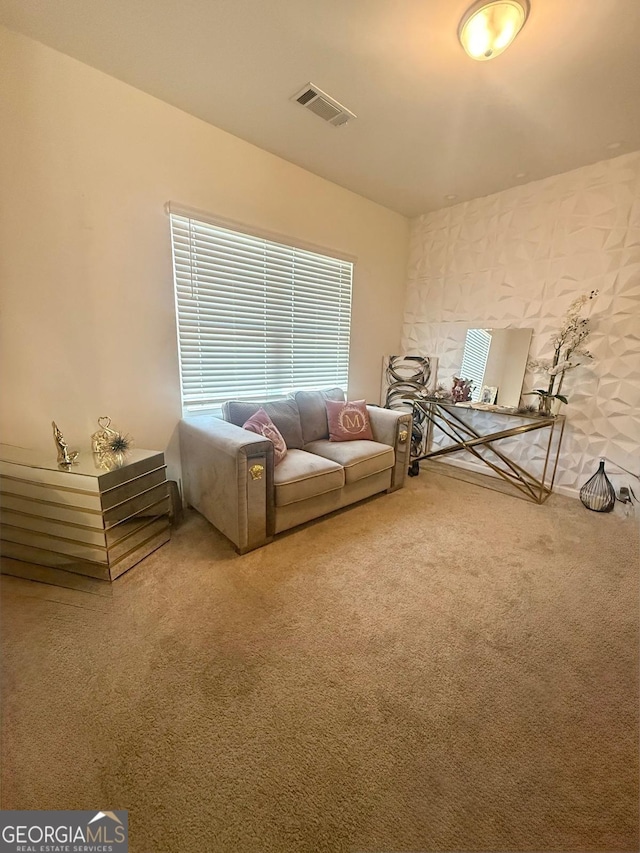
(625, 495)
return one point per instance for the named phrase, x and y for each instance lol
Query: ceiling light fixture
(489, 26)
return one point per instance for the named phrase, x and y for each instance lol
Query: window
(474, 360)
(257, 319)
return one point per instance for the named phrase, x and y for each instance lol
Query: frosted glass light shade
(488, 28)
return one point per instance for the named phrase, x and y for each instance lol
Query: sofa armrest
(393, 427)
(228, 478)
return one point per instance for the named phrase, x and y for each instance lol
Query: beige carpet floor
(445, 668)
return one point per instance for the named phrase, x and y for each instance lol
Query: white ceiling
(431, 121)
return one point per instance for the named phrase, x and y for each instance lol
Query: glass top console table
(477, 429)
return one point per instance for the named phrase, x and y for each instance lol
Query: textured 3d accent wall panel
(518, 258)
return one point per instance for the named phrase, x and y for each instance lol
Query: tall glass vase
(544, 405)
(556, 407)
(549, 406)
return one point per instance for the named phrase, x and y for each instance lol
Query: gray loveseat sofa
(229, 474)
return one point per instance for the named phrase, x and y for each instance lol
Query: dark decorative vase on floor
(597, 493)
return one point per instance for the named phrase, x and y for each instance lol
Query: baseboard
(567, 491)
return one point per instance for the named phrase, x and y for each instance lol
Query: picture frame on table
(489, 394)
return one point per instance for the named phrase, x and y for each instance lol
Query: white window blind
(257, 319)
(474, 360)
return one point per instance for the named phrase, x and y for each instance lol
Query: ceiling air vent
(323, 105)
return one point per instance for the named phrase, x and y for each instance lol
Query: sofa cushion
(348, 421)
(261, 424)
(303, 475)
(313, 412)
(358, 458)
(284, 414)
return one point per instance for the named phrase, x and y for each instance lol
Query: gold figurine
(100, 440)
(110, 446)
(64, 456)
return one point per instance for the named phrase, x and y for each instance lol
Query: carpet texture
(443, 668)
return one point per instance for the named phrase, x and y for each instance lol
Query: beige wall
(88, 322)
(518, 259)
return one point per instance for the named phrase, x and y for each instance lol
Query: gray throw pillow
(313, 412)
(283, 413)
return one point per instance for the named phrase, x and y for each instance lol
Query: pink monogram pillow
(348, 421)
(261, 423)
